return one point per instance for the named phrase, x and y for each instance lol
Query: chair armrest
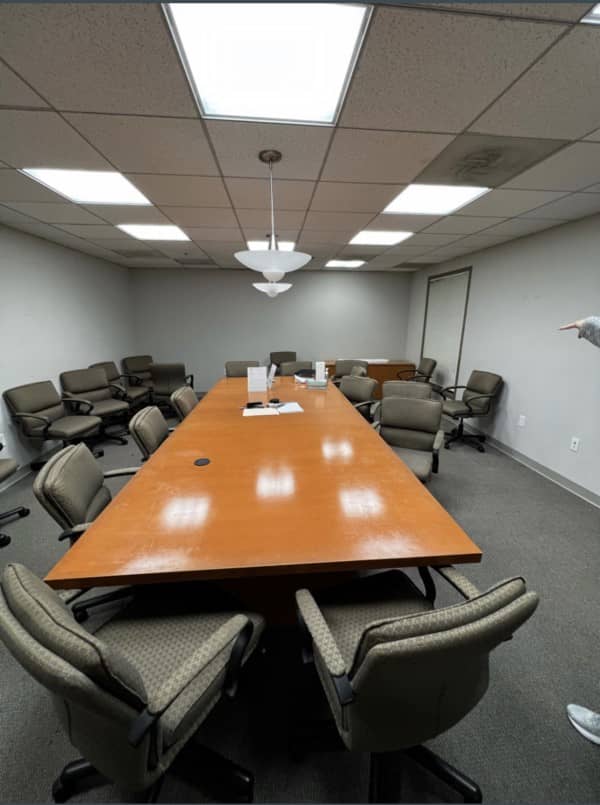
(132, 378)
(189, 379)
(187, 672)
(120, 472)
(478, 397)
(460, 583)
(46, 421)
(437, 446)
(412, 372)
(365, 402)
(119, 389)
(74, 533)
(172, 429)
(78, 402)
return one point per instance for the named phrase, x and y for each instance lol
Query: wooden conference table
(312, 492)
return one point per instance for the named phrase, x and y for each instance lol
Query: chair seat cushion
(419, 461)
(455, 408)
(70, 427)
(351, 607)
(8, 467)
(135, 393)
(110, 407)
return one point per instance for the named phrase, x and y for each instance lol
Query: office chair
(477, 397)
(167, 378)
(149, 430)
(412, 427)
(343, 368)
(183, 401)
(302, 368)
(133, 694)
(398, 672)
(88, 391)
(42, 415)
(133, 392)
(8, 467)
(423, 372)
(281, 357)
(238, 368)
(138, 367)
(406, 388)
(360, 391)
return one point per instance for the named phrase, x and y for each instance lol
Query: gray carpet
(517, 743)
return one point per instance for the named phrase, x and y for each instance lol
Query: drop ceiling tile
(402, 223)
(432, 240)
(485, 160)
(553, 97)
(386, 261)
(381, 156)
(205, 233)
(406, 248)
(254, 193)
(179, 249)
(153, 262)
(259, 233)
(517, 227)
(56, 213)
(426, 71)
(318, 250)
(136, 144)
(14, 186)
(97, 232)
(97, 57)
(222, 251)
(331, 238)
(334, 221)
(120, 242)
(15, 92)
(594, 188)
(23, 146)
(127, 214)
(575, 167)
(594, 136)
(510, 203)
(577, 205)
(182, 191)
(201, 216)
(12, 217)
(261, 219)
(237, 146)
(566, 12)
(351, 197)
(360, 252)
(461, 225)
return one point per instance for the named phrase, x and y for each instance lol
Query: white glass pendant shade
(272, 289)
(273, 260)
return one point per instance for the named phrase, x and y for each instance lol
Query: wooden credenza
(380, 371)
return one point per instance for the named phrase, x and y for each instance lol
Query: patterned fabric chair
(238, 368)
(423, 372)
(131, 695)
(132, 390)
(398, 672)
(183, 401)
(477, 398)
(149, 430)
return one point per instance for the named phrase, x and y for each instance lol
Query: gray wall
(205, 318)
(60, 310)
(521, 292)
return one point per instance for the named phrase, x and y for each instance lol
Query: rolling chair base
(458, 435)
(19, 511)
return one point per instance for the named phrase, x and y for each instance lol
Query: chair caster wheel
(59, 792)
(4, 540)
(25, 513)
(481, 448)
(80, 615)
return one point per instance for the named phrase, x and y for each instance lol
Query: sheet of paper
(257, 378)
(260, 412)
(290, 408)
(319, 370)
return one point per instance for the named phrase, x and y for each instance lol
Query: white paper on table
(260, 412)
(300, 379)
(271, 376)
(319, 370)
(257, 378)
(290, 408)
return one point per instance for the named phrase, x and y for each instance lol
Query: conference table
(283, 497)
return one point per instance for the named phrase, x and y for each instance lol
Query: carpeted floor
(517, 743)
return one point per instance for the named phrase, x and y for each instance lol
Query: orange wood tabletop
(317, 491)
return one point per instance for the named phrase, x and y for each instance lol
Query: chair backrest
(416, 676)
(110, 368)
(408, 422)
(184, 401)
(358, 389)
(167, 377)
(70, 486)
(282, 357)
(149, 429)
(482, 383)
(96, 690)
(426, 367)
(345, 367)
(138, 365)
(406, 388)
(92, 384)
(358, 371)
(35, 398)
(289, 368)
(238, 368)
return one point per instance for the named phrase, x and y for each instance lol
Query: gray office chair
(183, 401)
(89, 392)
(412, 428)
(8, 467)
(302, 368)
(343, 368)
(360, 391)
(398, 672)
(281, 357)
(477, 398)
(42, 415)
(167, 378)
(133, 392)
(133, 694)
(238, 368)
(138, 367)
(149, 430)
(423, 372)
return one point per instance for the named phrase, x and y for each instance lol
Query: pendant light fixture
(273, 263)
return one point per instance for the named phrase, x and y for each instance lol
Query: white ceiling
(472, 93)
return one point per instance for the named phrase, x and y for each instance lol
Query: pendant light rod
(270, 156)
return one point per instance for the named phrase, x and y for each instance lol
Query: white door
(447, 298)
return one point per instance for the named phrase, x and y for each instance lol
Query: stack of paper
(260, 412)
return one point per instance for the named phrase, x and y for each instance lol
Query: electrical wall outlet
(575, 444)
(522, 421)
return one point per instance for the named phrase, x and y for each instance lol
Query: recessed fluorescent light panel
(434, 199)
(376, 237)
(592, 16)
(88, 187)
(289, 62)
(344, 264)
(153, 231)
(263, 245)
